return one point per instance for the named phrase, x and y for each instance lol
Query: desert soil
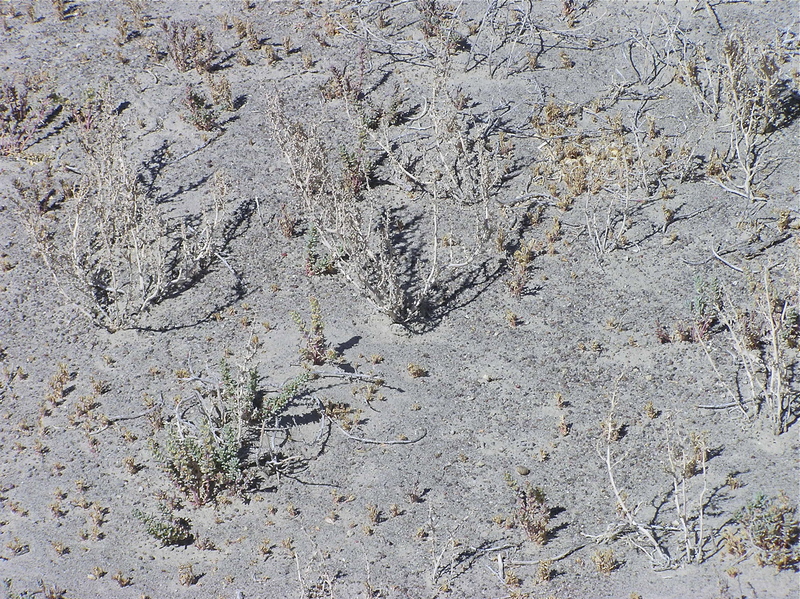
(621, 324)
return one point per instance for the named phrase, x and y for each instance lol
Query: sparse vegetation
(189, 45)
(416, 371)
(546, 208)
(201, 112)
(186, 575)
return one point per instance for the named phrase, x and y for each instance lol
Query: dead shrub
(115, 254)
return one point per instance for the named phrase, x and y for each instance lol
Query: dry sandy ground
(622, 257)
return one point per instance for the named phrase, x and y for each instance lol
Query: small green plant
(202, 457)
(315, 264)
(166, 526)
(705, 306)
(274, 405)
(317, 350)
(532, 512)
(771, 526)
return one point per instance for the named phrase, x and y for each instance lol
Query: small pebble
(522, 470)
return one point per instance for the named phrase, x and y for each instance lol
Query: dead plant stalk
(659, 558)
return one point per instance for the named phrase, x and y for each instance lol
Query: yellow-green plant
(201, 463)
(316, 350)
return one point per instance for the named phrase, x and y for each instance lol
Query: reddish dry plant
(189, 46)
(532, 511)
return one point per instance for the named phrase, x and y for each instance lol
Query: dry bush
(748, 86)
(687, 459)
(758, 100)
(642, 534)
(603, 167)
(332, 201)
(696, 70)
(406, 243)
(764, 338)
(115, 254)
